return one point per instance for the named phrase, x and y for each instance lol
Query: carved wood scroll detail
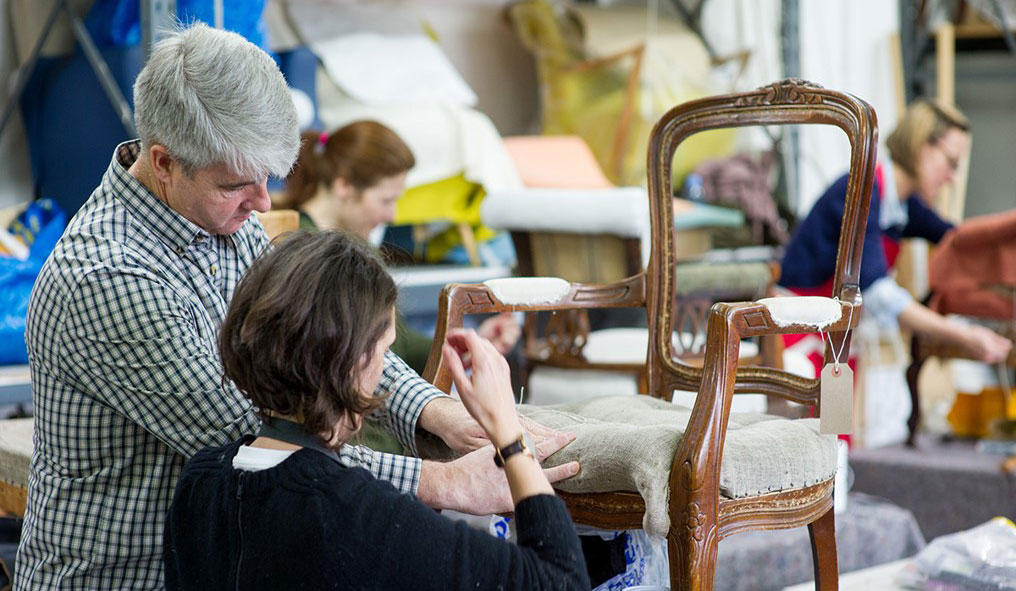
(789, 91)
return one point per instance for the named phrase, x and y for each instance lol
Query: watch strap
(515, 447)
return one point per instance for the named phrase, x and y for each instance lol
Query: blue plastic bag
(39, 226)
(116, 23)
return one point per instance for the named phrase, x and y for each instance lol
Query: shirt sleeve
(923, 222)
(884, 300)
(402, 472)
(134, 344)
(407, 394)
(437, 553)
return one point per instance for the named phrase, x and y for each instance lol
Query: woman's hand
(987, 345)
(487, 394)
(502, 331)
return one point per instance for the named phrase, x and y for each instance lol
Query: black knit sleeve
(414, 547)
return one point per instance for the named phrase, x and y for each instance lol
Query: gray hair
(212, 97)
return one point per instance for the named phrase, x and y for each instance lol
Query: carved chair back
(782, 103)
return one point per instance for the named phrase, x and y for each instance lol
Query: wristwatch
(522, 444)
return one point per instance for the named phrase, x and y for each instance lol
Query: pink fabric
(556, 162)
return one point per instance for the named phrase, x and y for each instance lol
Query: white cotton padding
(528, 291)
(815, 311)
(620, 211)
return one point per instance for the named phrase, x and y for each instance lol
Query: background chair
(611, 98)
(698, 515)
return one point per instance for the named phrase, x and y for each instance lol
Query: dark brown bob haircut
(303, 322)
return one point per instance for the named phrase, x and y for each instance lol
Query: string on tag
(843, 344)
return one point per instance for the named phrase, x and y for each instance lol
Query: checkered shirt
(128, 384)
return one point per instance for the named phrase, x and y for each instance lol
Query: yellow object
(610, 100)
(972, 414)
(454, 200)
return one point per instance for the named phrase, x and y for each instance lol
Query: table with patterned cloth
(870, 532)
(948, 485)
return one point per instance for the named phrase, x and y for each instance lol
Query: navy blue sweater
(810, 258)
(309, 523)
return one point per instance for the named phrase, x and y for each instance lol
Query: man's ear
(162, 162)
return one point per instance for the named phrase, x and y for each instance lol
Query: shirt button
(213, 269)
(179, 250)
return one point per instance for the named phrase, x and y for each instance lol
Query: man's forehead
(223, 175)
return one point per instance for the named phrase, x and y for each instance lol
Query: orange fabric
(973, 269)
(556, 162)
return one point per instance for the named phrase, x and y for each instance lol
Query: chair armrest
(697, 461)
(457, 300)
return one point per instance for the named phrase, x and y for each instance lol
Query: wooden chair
(596, 98)
(699, 515)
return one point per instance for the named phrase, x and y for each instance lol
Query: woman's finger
(451, 358)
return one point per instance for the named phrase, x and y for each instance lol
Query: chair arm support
(695, 472)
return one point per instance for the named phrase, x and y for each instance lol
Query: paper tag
(836, 402)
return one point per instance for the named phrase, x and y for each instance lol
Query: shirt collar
(892, 211)
(153, 213)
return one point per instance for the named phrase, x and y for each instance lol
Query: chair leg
(823, 552)
(692, 562)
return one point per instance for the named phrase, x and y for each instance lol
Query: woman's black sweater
(309, 523)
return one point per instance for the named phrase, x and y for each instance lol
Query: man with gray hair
(124, 317)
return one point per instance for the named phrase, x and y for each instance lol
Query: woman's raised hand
(487, 394)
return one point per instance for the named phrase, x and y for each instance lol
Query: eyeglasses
(953, 161)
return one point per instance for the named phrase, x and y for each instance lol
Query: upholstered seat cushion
(15, 450)
(627, 443)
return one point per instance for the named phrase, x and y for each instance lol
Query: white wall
(15, 177)
(986, 93)
(844, 46)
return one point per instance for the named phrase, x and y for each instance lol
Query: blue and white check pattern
(127, 381)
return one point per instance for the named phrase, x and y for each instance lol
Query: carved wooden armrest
(522, 294)
(728, 324)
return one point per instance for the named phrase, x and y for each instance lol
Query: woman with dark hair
(351, 180)
(925, 149)
(279, 511)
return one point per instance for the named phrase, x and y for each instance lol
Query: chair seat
(627, 444)
(15, 459)
(15, 450)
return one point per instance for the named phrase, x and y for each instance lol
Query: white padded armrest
(813, 311)
(528, 291)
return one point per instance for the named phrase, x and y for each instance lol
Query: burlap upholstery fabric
(15, 450)
(627, 443)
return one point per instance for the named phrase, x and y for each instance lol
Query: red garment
(973, 270)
